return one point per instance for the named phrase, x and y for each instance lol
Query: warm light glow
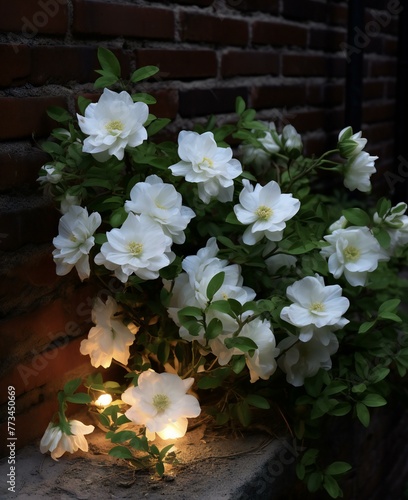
(170, 432)
(103, 400)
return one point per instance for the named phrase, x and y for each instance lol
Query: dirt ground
(211, 466)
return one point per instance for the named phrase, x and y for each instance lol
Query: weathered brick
(19, 165)
(377, 132)
(236, 62)
(23, 117)
(337, 14)
(379, 113)
(28, 219)
(279, 96)
(113, 19)
(203, 102)
(303, 65)
(373, 89)
(305, 121)
(16, 64)
(37, 16)
(179, 64)
(307, 9)
(278, 33)
(167, 104)
(197, 27)
(80, 64)
(327, 39)
(390, 46)
(382, 67)
(270, 6)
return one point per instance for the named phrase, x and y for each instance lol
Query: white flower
(251, 155)
(52, 175)
(113, 123)
(75, 240)
(354, 252)
(290, 138)
(302, 360)
(350, 144)
(162, 203)
(269, 140)
(314, 304)
(358, 170)
(396, 225)
(276, 262)
(262, 364)
(68, 201)
(265, 210)
(110, 338)
(338, 224)
(204, 163)
(190, 288)
(139, 247)
(161, 404)
(58, 442)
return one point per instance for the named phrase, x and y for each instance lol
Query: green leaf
(71, 386)
(309, 457)
(83, 103)
(189, 311)
(374, 400)
(160, 468)
(389, 305)
(214, 285)
(121, 452)
(335, 387)
(364, 327)
(340, 410)
(157, 125)
(243, 412)
(332, 487)
(314, 481)
(214, 329)
(59, 114)
(391, 316)
(357, 217)
(383, 206)
(337, 468)
(363, 414)
(80, 398)
(106, 80)
(244, 344)
(239, 105)
(143, 97)
(257, 401)
(382, 236)
(143, 73)
(108, 61)
(122, 436)
(165, 450)
(163, 352)
(221, 306)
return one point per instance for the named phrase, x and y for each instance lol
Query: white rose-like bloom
(350, 144)
(265, 210)
(358, 170)
(302, 360)
(75, 240)
(113, 123)
(57, 442)
(204, 163)
(161, 404)
(52, 175)
(338, 224)
(314, 304)
(268, 141)
(262, 364)
(354, 252)
(138, 247)
(290, 138)
(110, 338)
(162, 203)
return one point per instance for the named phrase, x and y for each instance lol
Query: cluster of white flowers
(360, 165)
(317, 310)
(58, 442)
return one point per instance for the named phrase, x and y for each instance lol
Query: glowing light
(103, 400)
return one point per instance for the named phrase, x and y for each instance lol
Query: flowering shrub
(238, 273)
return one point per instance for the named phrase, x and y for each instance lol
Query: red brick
(167, 103)
(37, 16)
(179, 64)
(338, 14)
(19, 165)
(390, 46)
(327, 39)
(204, 102)
(251, 62)
(373, 89)
(303, 65)
(80, 64)
(315, 145)
(379, 112)
(23, 117)
(113, 19)
(278, 96)
(197, 27)
(384, 67)
(306, 9)
(27, 220)
(270, 6)
(305, 121)
(278, 33)
(16, 64)
(378, 132)
(391, 87)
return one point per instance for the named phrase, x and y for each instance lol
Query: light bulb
(103, 400)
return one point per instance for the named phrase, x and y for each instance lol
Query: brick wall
(286, 58)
